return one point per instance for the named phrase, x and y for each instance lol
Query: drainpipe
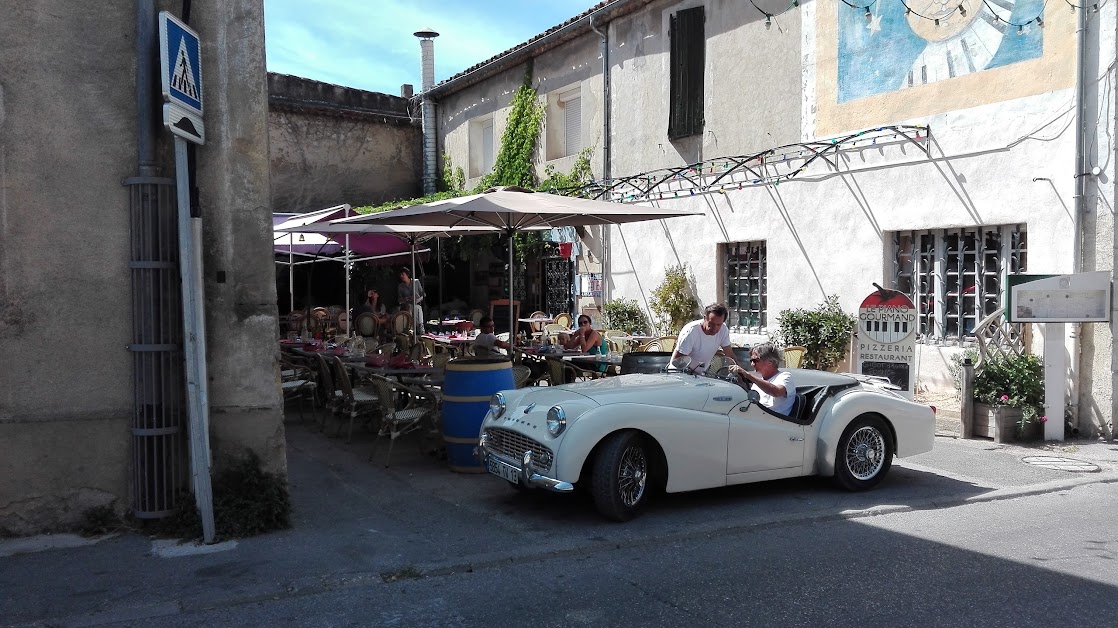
(427, 70)
(145, 82)
(1080, 202)
(606, 147)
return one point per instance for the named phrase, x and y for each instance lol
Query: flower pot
(1001, 423)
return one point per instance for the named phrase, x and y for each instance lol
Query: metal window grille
(746, 273)
(955, 276)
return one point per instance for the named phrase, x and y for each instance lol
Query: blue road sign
(180, 63)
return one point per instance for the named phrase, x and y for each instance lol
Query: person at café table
(585, 339)
(372, 304)
(486, 341)
(700, 340)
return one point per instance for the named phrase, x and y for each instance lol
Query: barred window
(955, 277)
(746, 273)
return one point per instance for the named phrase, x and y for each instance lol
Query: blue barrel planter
(467, 389)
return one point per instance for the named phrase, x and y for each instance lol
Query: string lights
(960, 8)
(769, 167)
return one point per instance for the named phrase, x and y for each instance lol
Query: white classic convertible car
(622, 437)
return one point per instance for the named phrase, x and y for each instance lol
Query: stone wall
(331, 145)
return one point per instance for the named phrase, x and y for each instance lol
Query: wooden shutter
(572, 121)
(687, 65)
(486, 147)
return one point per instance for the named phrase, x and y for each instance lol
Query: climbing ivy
(514, 165)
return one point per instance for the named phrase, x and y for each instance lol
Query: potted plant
(625, 315)
(825, 331)
(1009, 398)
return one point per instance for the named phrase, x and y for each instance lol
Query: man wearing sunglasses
(699, 340)
(775, 387)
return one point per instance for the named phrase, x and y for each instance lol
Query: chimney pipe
(406, 90)
(427, 68)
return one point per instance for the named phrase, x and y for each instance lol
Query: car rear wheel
(865, 453)
(620, 482)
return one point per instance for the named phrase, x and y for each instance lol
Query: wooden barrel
(467, 389)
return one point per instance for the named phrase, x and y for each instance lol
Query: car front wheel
(865, 453)
(620, 481)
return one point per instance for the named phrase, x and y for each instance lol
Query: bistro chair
(667, 343)
(419, 406)
(520, 375)
(537, 328)
(297, 381)
(319, 319)
(401, 323)
(552, 331)
(794, 357)
(295, 321)
(355, 401)
(651, 345)
(328, 393)
(475, 317)
(366, 324)
(343, 322)
(564, 319)
(559, 371)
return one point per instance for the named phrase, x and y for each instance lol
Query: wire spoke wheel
(865, 452)
(632, 476)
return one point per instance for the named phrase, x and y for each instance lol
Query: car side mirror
(754, 396)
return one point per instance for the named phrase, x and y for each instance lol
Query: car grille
(512, 445)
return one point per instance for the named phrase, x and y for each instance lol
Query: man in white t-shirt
(775, 387)
(699, 340)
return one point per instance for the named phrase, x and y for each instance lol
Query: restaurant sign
(887, 338)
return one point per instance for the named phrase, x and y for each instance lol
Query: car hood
(675, 390)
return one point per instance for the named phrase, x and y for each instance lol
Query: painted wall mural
(894, 49)
(893, 66)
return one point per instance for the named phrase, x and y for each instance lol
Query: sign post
(1054, 300)
(887, 338)
(181, 77)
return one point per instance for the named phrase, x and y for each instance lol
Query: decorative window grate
(746, 273)
(955, 277)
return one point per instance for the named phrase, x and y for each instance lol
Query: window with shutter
(572, 125)
(687, 65)
(487, 147)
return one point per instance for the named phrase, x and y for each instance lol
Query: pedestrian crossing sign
(180, 63)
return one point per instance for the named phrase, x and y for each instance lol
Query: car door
(760, 442)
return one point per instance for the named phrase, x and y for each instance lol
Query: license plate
(504, 471)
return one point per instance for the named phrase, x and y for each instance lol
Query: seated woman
(587, 340)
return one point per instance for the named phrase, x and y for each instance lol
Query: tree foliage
(673, 301)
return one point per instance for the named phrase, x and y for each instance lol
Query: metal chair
(418, 406)
(356, 400)
(297, 380)
(328, 392)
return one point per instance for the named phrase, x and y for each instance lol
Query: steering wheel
(724, 373)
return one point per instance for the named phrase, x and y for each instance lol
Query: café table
(446, 322)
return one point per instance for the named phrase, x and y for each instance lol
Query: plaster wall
(574, 65)
(827, 231)
(67, 140)
(331, 145)
(751, 83)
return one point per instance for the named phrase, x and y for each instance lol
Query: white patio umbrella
(513, 209)
(412, 234)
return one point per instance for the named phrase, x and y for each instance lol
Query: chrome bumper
(529, 475)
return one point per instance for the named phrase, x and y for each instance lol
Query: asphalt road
(965, 534)
(1043, 560)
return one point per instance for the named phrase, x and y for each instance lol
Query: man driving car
(775, 387)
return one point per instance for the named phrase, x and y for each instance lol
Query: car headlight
(556, 420)
(497, 405)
